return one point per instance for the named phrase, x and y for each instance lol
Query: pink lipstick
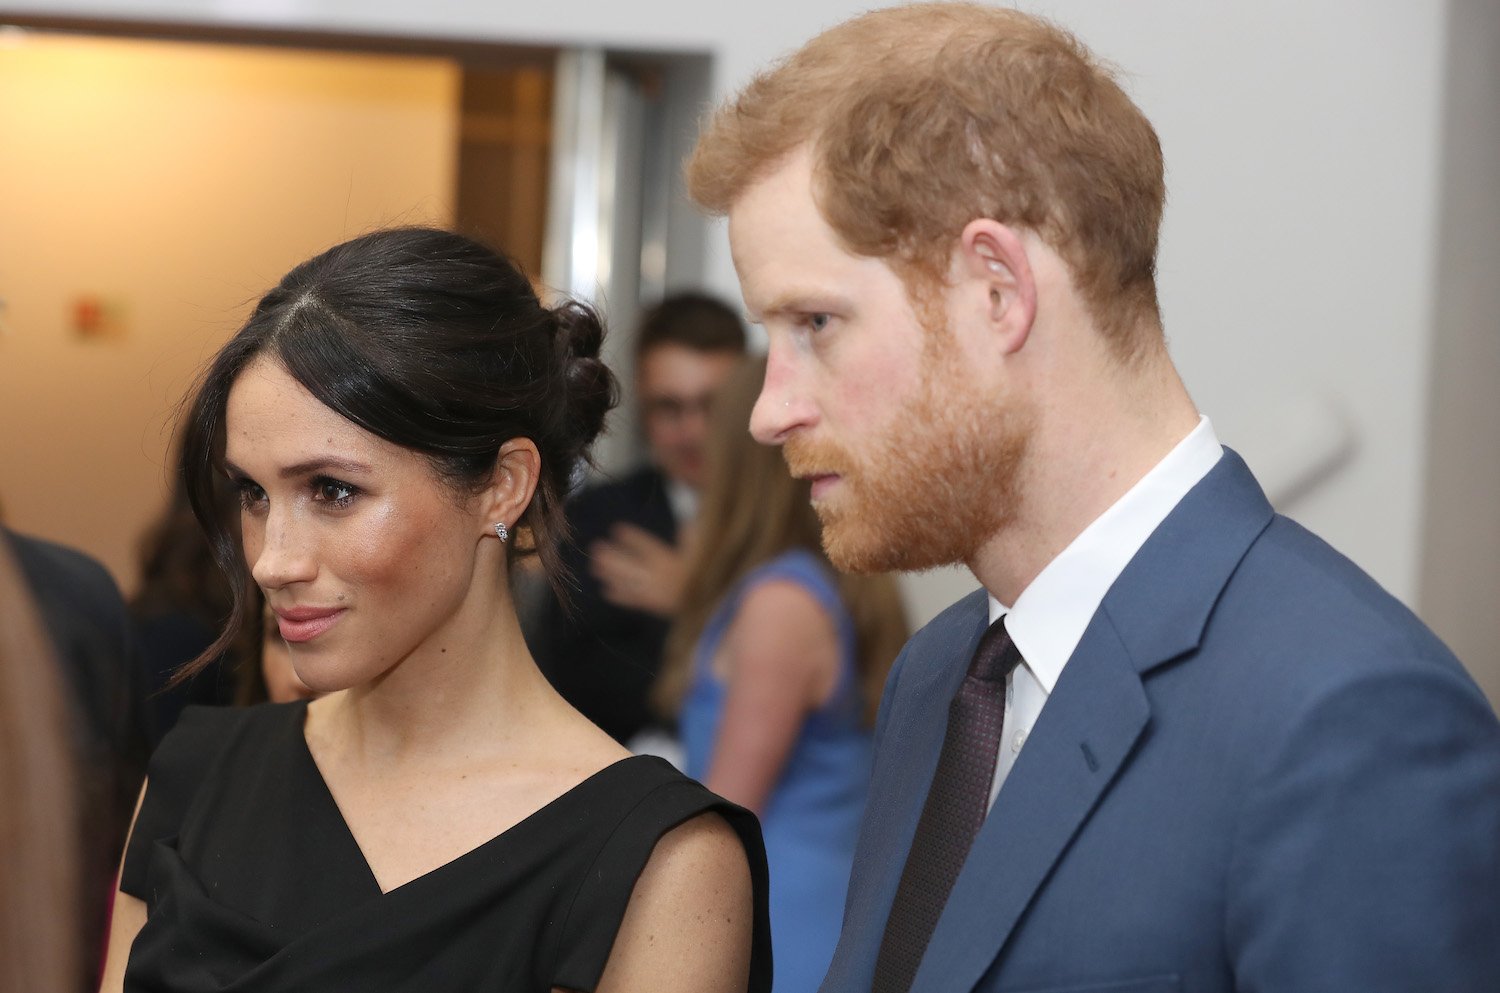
(298, 624)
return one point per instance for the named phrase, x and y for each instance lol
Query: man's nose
(783, 406)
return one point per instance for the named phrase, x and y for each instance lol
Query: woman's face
(364, 556)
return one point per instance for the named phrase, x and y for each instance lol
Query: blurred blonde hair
(924, 117)
(39, 826)
(752, 511)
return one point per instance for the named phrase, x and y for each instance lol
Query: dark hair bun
(431, 341)
(592, 390)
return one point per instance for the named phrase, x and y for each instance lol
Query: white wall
(1302, 146)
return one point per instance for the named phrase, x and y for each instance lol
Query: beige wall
(175, 182)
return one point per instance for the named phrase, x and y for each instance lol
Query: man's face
(914, 460)
(676, 385)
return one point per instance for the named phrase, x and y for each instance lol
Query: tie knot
(996, 655)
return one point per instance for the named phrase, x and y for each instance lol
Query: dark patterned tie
(955, 808)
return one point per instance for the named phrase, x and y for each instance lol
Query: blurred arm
(781, 655)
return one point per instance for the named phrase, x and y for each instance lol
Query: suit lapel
(1155, 612)
(1084, 736)
(928, 676)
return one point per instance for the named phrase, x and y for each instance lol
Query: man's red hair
(922, 118)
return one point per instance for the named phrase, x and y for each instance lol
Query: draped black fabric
(253, 881)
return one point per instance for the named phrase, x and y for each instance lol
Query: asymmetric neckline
(325, 795)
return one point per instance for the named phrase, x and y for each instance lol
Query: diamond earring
(501, 531)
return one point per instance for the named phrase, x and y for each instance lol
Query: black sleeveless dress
(253, 882)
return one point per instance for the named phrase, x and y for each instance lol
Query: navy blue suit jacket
(1257, 772)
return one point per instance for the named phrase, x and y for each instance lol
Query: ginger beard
(941, 480)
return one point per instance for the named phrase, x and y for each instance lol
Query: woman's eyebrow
(322, 463)
(307, 467)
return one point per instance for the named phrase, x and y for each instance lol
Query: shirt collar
(683, 500)
(1051, 614)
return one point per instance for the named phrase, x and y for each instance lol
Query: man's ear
(992, 261)
(517, 469)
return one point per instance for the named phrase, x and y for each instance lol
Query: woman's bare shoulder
(690, 920)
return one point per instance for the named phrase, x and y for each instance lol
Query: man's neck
(1078, 465)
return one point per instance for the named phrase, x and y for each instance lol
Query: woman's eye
(251, 494)
(333, 491)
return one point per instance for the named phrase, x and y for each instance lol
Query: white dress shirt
(683, 500)
(1051, 614)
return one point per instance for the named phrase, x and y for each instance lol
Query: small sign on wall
(98, 318)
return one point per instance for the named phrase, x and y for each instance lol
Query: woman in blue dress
(774, 668)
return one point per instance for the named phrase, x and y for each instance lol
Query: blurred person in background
(602, 647)
(183, 602)
(401, 418)
(179, 607)
(89, 632)
(774, 669)
(41, 949)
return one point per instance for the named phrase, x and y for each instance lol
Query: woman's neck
(471, 686)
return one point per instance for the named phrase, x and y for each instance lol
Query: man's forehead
(787, 262)
(810, 274)
(779, 202)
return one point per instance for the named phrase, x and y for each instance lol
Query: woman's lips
(306, 623)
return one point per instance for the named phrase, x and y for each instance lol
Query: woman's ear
(517, 469)
(993, 263)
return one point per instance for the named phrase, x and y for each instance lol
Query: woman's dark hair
(429, 340)
(181, 601)
(178, 572)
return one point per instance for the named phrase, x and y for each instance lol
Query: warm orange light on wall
(149, 191)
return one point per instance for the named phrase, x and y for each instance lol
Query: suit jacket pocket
(1151, 984)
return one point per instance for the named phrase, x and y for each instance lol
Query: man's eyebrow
(803, 300)
(306, 468)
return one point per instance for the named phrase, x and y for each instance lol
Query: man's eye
(817, 321)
